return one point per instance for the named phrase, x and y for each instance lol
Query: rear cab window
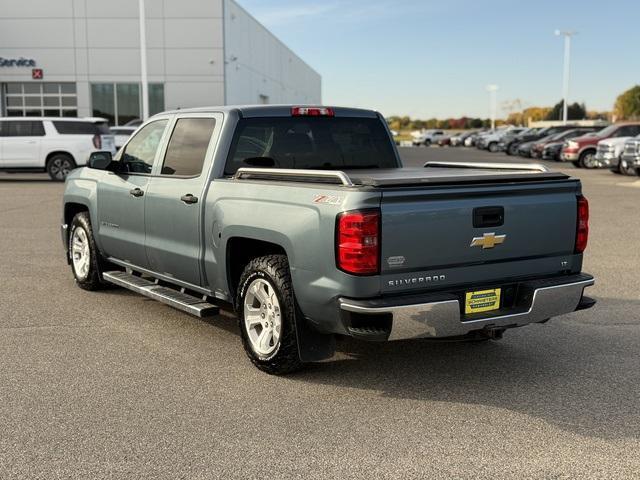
(188, 146)
(311, 143)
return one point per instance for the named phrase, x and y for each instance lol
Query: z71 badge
(328, 199)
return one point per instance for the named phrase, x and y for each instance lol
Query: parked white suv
(50, 144)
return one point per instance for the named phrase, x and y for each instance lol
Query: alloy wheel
(80, 253)
(60, 168)
(262, 317)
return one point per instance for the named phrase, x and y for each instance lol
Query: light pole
(143, 61)
(492, 89)
(565, 76)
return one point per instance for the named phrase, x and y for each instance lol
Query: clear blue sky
(434, 58)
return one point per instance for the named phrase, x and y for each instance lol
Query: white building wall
(97, 41)
(260, 68)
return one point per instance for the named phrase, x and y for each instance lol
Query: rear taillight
(97, 141)
(312, 112)
(358, 242)
(582, 230)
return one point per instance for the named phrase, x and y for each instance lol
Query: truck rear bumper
(440, 314)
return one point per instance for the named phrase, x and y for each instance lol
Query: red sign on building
(37, 74)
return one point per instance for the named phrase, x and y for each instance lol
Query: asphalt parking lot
(113, 385)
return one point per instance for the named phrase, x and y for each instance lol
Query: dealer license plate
(482, 301)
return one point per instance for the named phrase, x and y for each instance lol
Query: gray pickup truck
(303, 220)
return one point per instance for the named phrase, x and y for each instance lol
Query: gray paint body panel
(428, 225)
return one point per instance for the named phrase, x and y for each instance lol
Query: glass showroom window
(40, 99)
(120, 102)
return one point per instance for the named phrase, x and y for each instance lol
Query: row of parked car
(615, 146)
(56, 145)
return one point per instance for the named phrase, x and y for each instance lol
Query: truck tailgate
(443, 236)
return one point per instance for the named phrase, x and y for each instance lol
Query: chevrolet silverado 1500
(303, 220)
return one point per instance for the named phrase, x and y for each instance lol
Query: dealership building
(82, 58)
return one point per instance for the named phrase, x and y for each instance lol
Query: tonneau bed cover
(431, 174)
(446, 175)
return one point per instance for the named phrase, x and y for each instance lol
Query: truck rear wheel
(267, 313)
(85, 259)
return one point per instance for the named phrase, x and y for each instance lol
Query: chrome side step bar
(197, 306)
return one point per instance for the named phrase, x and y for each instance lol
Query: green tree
(627, 105)
(431, 123)
(576, 111)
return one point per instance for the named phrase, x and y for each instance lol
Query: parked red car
(538, 147)
(581, 150)
(444, 141)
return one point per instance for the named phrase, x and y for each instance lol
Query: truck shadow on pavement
(579, 373)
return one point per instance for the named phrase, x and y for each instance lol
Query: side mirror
(100, 160)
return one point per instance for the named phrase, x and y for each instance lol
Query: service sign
(17, 62)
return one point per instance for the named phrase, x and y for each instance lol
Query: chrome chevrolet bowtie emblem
(488, 240)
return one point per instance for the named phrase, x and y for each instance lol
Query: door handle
(188, 198)
(136, 192)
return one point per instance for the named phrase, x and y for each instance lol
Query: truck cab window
(311, 143)
(188, 146)
(139, 153)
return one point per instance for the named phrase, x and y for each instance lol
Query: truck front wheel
(86, 261)
(267, 314)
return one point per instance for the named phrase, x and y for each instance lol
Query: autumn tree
(627, 105)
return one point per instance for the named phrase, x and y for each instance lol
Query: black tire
(584, 158)
(427, 143)
(627, 169)
(493, 147)
(92, 279)
(512, 150)
(59, 166)
(274, 269)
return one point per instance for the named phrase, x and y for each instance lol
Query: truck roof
(283, 110)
